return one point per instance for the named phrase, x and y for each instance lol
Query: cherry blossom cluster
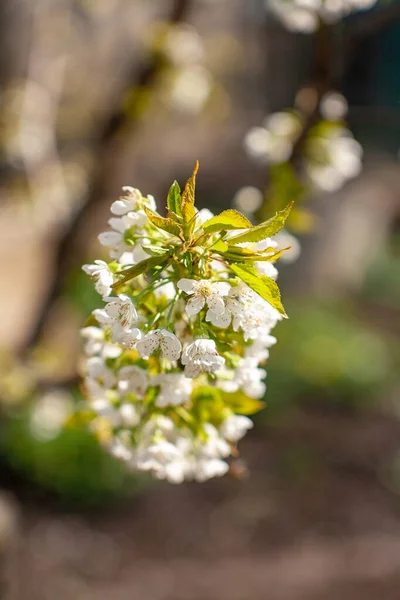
(330, 154)
(305, 15)
(173, 360)
(188, 83)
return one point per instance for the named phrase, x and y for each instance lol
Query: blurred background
(278, 101)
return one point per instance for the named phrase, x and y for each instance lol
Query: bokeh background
(96, 94)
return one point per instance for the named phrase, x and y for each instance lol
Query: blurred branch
(321, 83)
(372, 23)
(118, 120)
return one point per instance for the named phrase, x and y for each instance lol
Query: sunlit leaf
(264, 230)
(174, 199)
(166, 224)
(261, 284)
(154, 250)
(187, 202)
(228, 219)
(141, 267)
(241, 404)
(208, 406)
(219, 246)
(269, 257)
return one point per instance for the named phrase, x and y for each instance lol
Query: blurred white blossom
(305, 15)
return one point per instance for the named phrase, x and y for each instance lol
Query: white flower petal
(170, 345)
(221, 288)
(110, 238)
(216, 304)
(148, 344)
(219, 319)
(187, 285)
(195, 304)
(118, 224)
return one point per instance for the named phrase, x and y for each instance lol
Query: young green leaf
(141, 267)
(187, 202)
(235, 253)
(269, 257)
(154, 250)
(166, 224)
(208, 406)
(261, 284)
(219, 247)
(264, 230)
(239, 403)
(174, 199)
(228, 219)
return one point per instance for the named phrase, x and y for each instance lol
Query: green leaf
(187, 202)
(166, 224)
(269, 257)
(264, 230)
(141, 267)
(228, 219)
(219, 247)
(284, 187)
(261, 284)
(174, 199)
(177, 218)
(241, 404)
(154, 250)
(207, 405)
(239, 253)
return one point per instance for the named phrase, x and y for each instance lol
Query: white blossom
(99, 378)
(203, 215)
(96, 343)
(235, 427)
(160, 338)
(248, 377)
(127, 203)
(175, 389)
(333, 158)
(273, 142)
(305, 15)
(133, 380)
(129, 415)
(102, 276)
(201, 356)
(121, 310)
(203, 292)
(209, 468)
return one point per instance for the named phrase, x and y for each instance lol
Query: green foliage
(208, 405)
(72, 465)
(270, 257)
(190, 250)
(155, 250)
(141, 267)
(261, 284)
(174, 199)
(167, 224)
(228, 219)
(241, 404)
(81, 294)
(328, 355)
(187, 202)
(264, 230)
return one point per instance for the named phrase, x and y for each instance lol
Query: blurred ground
(315, 519)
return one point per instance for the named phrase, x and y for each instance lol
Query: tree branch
(371, 24)
(117, 120)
